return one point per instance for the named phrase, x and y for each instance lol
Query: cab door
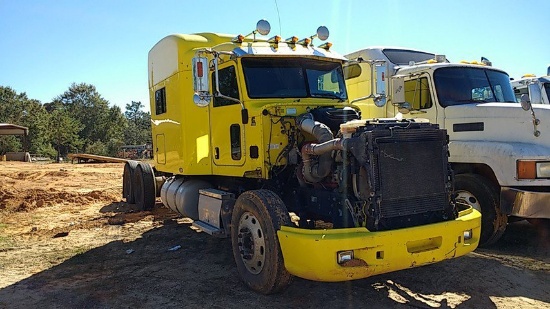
(419, 94)
(226, 128)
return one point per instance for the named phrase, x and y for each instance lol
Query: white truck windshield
(461, 85)
(547, 89)
(293, 78)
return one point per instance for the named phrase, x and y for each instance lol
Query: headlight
(533, 169)
(344, 256)
(543, 170)
(468, 235)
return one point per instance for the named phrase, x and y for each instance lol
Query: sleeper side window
(160, 101)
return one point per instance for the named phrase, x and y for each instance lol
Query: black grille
(399, 207)
(410, 173)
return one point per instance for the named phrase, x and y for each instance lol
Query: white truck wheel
(478, 192)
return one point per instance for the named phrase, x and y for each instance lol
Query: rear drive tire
(256, 218)
(127, 180)
(482, 195)
(144, 187)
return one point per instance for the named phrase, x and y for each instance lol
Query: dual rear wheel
(138, 184)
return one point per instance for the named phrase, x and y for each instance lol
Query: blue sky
(47, 45)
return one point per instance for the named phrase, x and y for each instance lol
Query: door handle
(217, 153)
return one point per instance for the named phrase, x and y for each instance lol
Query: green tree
(139, 124)
(18, 109)
(115, 133)
(100, 123)
(64, 131)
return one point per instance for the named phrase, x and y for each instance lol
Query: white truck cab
(499, 148)
(537, 89)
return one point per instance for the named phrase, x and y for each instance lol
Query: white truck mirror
(200, 81)
(398, 89)
(534, 93)
(398, 94)
(525, 103)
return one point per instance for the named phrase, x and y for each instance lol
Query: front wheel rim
(251, 243)
(467, 198)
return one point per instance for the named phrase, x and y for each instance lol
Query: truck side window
(160, 101)
(235, 137)
(417, 93)
(228, 86)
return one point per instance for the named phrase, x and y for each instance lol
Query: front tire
(256, 218)
(478, 192)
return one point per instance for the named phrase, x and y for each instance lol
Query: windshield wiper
(328, 95)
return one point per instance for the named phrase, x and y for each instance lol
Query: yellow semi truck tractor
(254, 139)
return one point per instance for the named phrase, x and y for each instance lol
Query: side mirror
(398, 89)
(200, 74)
(398, 94)
(525, 103)
(202, 95)
(322, 33)
(380, 93)
(534, 93)
(263, 27)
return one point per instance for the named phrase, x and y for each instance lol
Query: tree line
(78, 121)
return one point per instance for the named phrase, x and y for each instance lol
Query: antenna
(279, 16)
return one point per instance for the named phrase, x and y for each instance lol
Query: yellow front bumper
(312, 254)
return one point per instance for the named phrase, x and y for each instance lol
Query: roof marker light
(326, 46)
(238, 39)
(305, 42)
(275, 39)
(292, 40)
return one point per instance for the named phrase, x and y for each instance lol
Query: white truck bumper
(525, 204)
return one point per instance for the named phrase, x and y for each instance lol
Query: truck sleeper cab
(255, 140)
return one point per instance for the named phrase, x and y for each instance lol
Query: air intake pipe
(315, 170)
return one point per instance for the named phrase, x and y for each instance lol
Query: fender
(501, 157)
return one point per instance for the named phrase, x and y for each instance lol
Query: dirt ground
(67, 240)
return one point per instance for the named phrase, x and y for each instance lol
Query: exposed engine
(379, 174)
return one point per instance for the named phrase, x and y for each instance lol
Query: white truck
(499, 149)
(537, 89)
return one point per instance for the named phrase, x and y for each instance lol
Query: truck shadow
(152, 271)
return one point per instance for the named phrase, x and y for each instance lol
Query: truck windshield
(293, 78)
(461, 85)
(404, 56)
